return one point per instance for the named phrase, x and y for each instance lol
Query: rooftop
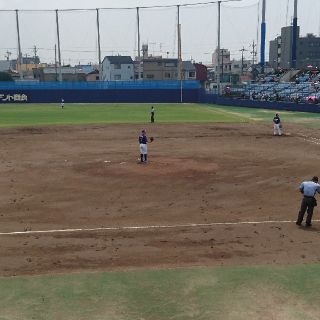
(119, 59)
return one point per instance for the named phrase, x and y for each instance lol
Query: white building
(117, 68)
(5, 65)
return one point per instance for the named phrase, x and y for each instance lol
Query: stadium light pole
(99, 45)
(294, 35)
(179, 53)
(263, 37)
(219, 45)
(19, 46)
(59, 48)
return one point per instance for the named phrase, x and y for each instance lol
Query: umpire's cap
(315, 179)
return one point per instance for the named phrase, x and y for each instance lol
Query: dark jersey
(143, 139)
(276, 120)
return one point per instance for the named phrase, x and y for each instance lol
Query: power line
(125, 8)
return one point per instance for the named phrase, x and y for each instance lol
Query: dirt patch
(89, 177)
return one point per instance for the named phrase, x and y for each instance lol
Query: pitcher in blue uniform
(143, 141)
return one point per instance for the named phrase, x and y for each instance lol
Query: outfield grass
(41, 114)
(51, 114)
(184, 294)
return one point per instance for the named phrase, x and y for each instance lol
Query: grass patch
(200, 293)
(304, 118)
(49, 114)
(13, 115)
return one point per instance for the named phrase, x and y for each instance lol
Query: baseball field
(204, 231)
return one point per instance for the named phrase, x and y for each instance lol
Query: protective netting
(78, 37)
(309, 18)
(199, 27)
(8, 37)
(158, 29)
(240, 25)
(240, 29)
(37, 34)
(118, 29)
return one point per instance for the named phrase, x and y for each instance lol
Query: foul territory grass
(51, 114)
(183, 294)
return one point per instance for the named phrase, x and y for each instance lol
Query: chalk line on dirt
(177, 226)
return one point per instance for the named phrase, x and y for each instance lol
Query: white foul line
(177, 226)
(313, 139)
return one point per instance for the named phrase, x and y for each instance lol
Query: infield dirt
(89, 177)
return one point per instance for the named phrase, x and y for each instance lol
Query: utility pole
(254, 52)
(8, 54)
(242, 58)
(35, 51)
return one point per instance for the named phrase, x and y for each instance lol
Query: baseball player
(152, 114)
(62, 103)
(277, 125)
(143, 141)
(308, 189)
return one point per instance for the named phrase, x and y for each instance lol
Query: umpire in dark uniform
(308, 189)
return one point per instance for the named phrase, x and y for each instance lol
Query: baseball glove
(151, 139)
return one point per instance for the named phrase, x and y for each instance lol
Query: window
(150, 76)
(117, 66)
(117, 77)
(167, 75)
(192, 74)
(170, 64)
(129, 67)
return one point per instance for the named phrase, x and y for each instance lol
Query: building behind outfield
(308, 50)
(117, 68)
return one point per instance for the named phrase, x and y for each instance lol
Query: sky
(240, 24)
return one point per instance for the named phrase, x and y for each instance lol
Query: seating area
(305, 88)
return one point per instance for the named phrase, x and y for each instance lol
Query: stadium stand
(305, 88)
